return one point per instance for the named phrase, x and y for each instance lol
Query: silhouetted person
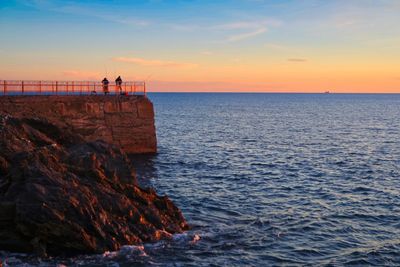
(105, 83)
(118, 83)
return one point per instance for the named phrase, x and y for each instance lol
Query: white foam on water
(126, 252)
(196, 238)
(13, 260)
(129, 250)
(190, 238)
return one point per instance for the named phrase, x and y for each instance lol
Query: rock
(62, 195)
(3, 166)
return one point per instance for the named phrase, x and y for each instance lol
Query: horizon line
(288, 92)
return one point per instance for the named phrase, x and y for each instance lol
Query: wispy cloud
(233, 30)
(154, 63)
(297, 59)
(81, 74)
(245, 25)
(213, 86)
(355, 19)
(279, 47)
(84, 10)
(246, 29)
(242, 36)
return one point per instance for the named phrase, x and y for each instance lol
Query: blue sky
(259, 44)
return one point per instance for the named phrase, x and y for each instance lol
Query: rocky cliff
(63, 192)
(125, 121)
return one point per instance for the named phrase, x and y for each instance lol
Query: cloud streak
(247, 24)
(234, 30)
(84, 10)
(246, 29)
(247, 35)
(154, 63)
(213, 86)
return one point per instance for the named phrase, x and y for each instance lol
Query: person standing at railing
(118, 83)
(105, 83)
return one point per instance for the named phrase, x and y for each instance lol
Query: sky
(343, 46)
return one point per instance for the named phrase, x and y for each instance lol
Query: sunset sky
(202, 45)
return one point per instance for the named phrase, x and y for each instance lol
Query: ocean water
(271, 180)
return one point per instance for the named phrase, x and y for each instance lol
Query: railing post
(144, 88)
(40, 87)
(22, 87)
(73, 87)
(67, 88)
(5, 88)
(56, 87)
(131, 88)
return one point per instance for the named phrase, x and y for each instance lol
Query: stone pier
(125, 121)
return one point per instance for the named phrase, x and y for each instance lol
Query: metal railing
(8, 87)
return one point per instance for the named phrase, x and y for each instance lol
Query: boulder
(63, 195)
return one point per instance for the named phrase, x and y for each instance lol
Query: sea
(270, 180)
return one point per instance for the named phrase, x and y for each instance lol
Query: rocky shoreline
(63, 195)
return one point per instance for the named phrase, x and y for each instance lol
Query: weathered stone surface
(93, 117)
(145, 111)
(129, 107)
(121, 119)
(60, 194)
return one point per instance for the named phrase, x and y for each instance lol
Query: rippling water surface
(274, 179)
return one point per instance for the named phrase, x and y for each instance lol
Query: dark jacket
(118, 81)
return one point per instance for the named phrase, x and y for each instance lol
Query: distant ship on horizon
(327, 92)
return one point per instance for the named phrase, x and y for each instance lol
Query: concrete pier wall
(126, 121)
